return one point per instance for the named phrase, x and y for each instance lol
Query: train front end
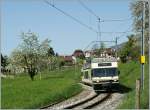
(104, 72)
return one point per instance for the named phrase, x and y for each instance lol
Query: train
(100, 73)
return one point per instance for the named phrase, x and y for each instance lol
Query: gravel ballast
(111, 103)
(87, 92)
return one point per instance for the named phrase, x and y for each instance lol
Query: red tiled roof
(78, 53)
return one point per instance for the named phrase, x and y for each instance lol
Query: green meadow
(53, 86)
(58, 85)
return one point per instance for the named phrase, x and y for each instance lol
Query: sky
(66, 35)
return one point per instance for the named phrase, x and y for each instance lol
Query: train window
(104, 72)
(86, 74)
(104, 64)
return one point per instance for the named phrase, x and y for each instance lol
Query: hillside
(119, 46)
(129, 73)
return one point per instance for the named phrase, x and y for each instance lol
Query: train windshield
(104, 72)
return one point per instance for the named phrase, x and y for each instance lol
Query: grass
(57, 85)
(54, 86)
(128, 75)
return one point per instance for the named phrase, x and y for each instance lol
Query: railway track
(86, 103)
(91, 102)
(80, 102)
(98, 101)
(47, 106)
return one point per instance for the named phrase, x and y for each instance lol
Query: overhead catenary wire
(122, 34)
(88, 9)
(113, 41)
(118, 20)
(127, 31)
(68, 15)
(99, 20)
(102, 20)
(85, 25)
(78, 21)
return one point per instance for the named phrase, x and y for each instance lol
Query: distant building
(88, 53)
(68, 60)
(110, 51)
(78, 54)
(107, 52)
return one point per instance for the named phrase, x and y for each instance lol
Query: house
(110, 51)
(78, 54)
(103, 53)
(88, 53)
(68, 59)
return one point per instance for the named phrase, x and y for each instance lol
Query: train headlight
(116, 80)
(97, 81)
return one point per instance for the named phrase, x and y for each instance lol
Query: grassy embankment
(54, 86)
(128, 75)
(21, 92)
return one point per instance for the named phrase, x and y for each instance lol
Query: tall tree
(51, 52)
(130, 49)
(56, 54)
(29, 49)
(44, 47)
(30, 54)
(4, 61)
(51, 58)
(137, 10)
(43, 57)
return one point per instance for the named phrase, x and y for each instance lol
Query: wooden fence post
(137, 96)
